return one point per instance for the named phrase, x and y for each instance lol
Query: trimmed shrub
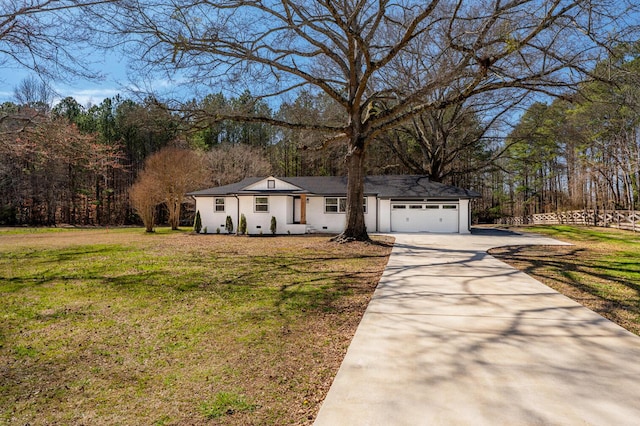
(242, 228)
(229, 225)
(197, 224)
(274, 225)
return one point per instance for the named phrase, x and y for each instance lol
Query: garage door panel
(448, 222)
(442, 218)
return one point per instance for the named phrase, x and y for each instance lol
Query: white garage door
(424, 217)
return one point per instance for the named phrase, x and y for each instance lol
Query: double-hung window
(262, 204)
(219, 204)
(331, 205)
(339, 204)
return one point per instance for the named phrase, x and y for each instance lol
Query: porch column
(303, 209)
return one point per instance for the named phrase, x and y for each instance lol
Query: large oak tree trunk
(355, 229)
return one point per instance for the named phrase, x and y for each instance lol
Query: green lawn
(121, 327)
(601, 270)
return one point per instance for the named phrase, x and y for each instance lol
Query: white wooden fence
(625, 219)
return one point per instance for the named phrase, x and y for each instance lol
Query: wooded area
(331, 88)
(75, 165)
(579, 152)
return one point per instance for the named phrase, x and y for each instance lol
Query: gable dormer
(272, 184)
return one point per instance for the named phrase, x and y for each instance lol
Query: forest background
(73, 164)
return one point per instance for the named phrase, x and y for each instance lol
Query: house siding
(280, 207)
(260, 222)
(263, 185)
(320, 221)
(465, 217)
(384, 215)
(213, 220)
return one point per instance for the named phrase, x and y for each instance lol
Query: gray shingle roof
(231, 189)
(387, 186)
(407, 186)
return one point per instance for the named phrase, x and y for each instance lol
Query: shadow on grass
(567, 261)
(289, 282)
(308, 282)
(93, 264)
(106, 316)
(580, 269)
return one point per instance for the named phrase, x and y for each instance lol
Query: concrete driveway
(453, 336)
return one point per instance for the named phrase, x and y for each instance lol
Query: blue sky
(84, 91)
(87, 92)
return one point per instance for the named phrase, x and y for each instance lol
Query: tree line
(71, 164)
(85, 165)
(577, 152)
(75, 164)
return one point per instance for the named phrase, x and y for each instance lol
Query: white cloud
(88, 97)
(5, 96)
(84, 97)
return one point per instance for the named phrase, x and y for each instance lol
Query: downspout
(377, 213)
(237, 212)
(195, 202)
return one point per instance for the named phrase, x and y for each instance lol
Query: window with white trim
(219, 205)
(331, 205)
(261, 204)
(339, 204)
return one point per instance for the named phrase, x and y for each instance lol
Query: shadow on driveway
(453, 336)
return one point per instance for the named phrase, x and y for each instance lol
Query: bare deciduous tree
(450, 143)
(231, 163)
(34, 93)
(174, 172)
(48, 169)
(145, 196)
(357, 51)
(46, 36)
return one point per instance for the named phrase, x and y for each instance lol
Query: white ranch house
(317, 205)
